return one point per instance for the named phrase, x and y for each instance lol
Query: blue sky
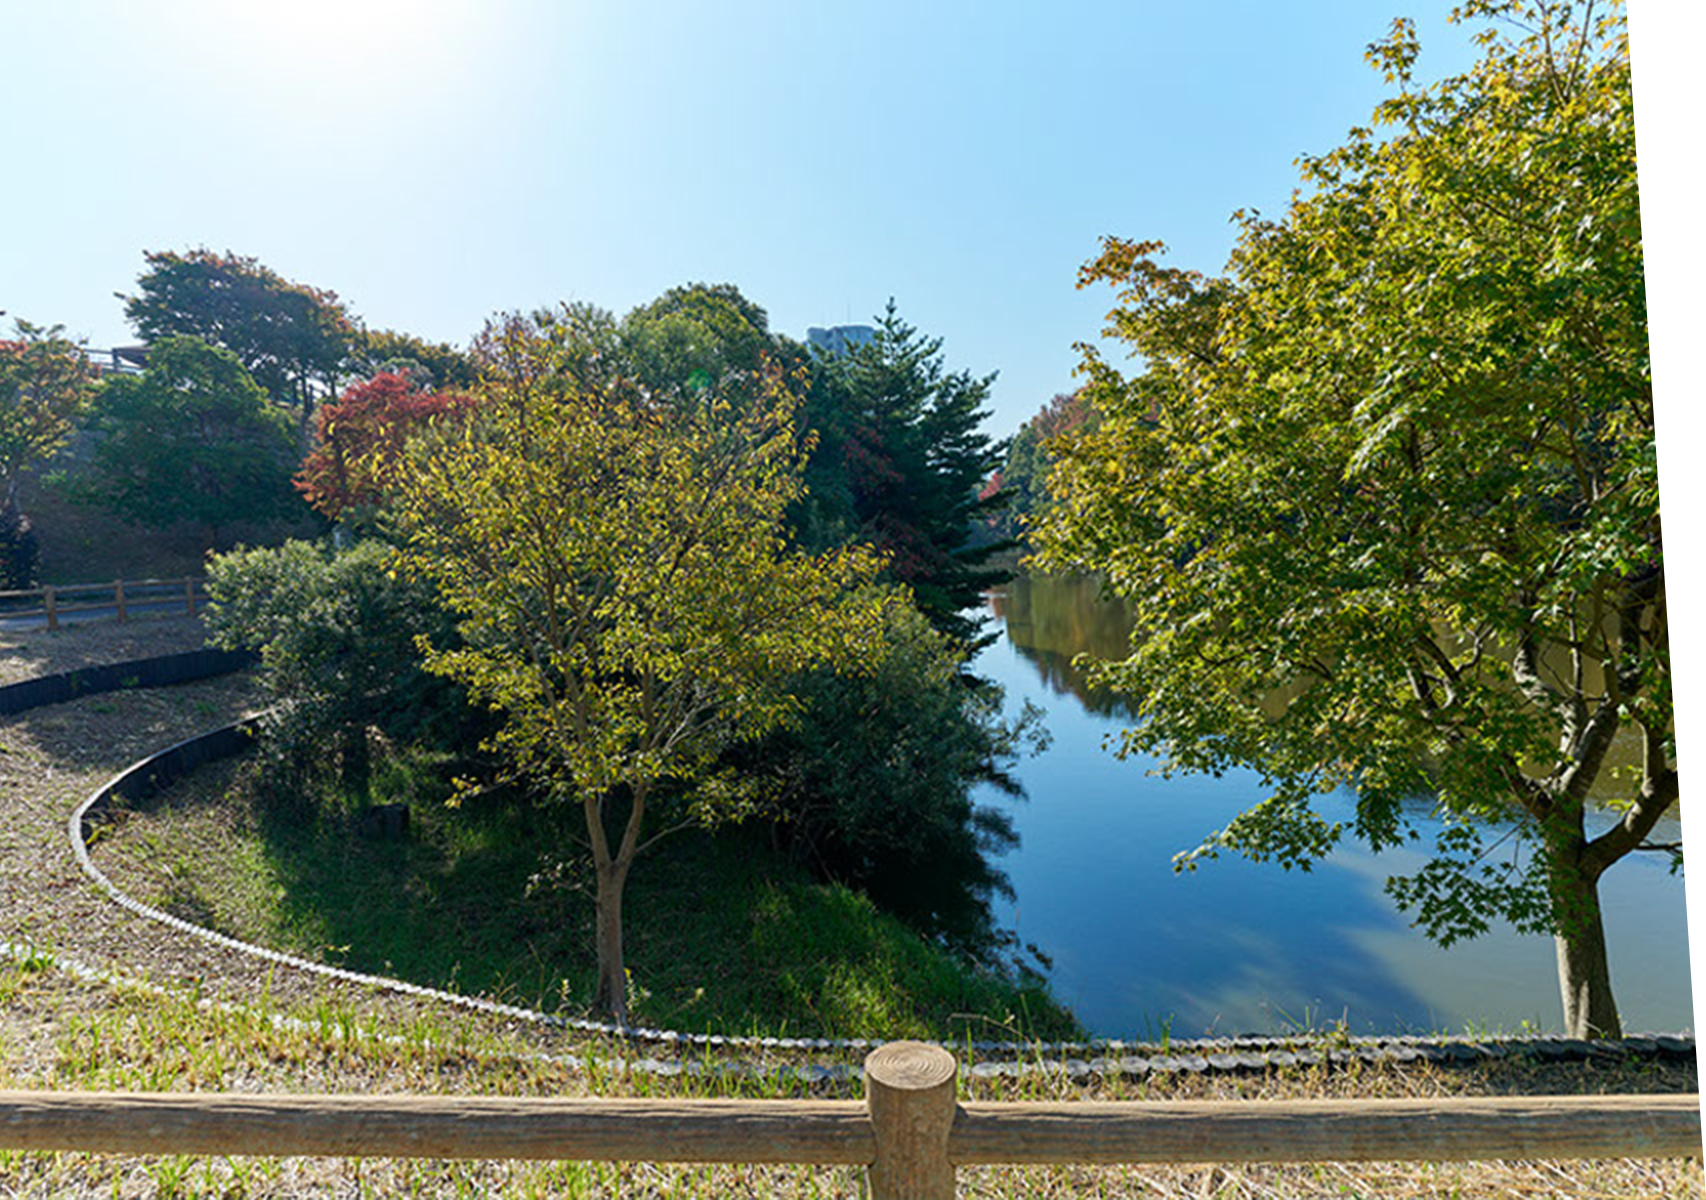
(436, 161)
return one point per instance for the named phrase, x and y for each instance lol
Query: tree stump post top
(909, 1089)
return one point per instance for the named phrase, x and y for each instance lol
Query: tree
(295, 340)
(337, 633)
(617, 561)
(901, 463)
(1024, 471)
(1384, 499)
(44, 386)
(696, 333)
(192, 438)
(431, 365)
(874, 785)
(361, 438)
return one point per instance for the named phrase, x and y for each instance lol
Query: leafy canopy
(297, 341)
(45, 383)
(1384, 496)
(192, 438)
(616, 554)
(617, 558)
(901, 462)
(361, 436)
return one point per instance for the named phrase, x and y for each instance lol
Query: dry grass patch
(60, 1032)
(25, 654)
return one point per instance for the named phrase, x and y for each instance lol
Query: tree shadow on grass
(722, 935)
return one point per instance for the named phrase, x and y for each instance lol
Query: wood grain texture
(741, 1131)
(909, 1087)
(1459, 1129)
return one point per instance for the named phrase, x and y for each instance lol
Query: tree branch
(1681, 844)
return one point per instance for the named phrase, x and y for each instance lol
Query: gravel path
(90, 643)
(52, 758)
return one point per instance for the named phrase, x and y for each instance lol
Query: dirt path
(24, 655)
(52, 758)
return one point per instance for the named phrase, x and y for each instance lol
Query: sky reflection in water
(1240, 946)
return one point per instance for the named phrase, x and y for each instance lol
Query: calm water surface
(1240, 946)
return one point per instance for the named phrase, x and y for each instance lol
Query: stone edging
(1076, 1059)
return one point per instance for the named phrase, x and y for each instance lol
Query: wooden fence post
(118, 600)
(52, 608)
(189, 594)
(909, 1090)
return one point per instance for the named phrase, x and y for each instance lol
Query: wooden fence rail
(117, 597)
(909, 1133)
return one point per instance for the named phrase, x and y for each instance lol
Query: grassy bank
(723, 935)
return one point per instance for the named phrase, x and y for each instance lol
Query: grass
(723, 936)
(66, 1033)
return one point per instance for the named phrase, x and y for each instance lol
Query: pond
(1139, 951)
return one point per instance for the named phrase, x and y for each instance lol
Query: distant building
(839, 339)
(120, 360)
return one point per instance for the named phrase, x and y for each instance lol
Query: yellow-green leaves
(617, 558)
(1382, 496)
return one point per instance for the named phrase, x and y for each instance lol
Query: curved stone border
(1100, 1057)
(163, 671)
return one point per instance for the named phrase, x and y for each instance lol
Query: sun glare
(366, 56)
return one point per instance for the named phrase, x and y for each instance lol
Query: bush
(873, 786)
(337, 631)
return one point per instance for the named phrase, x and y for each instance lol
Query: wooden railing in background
(117, 597)
(909, 1132)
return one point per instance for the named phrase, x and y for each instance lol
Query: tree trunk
(1584, 975)
(611, 994)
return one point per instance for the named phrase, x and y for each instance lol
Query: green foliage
(337, 633)
(873, 783)
(430, 366)
(294, 339)
(20, 552)
(1384, 499)
(192, 438)
(44, 387)
(617, 563)
(617, 560)
(1024, 471)
(694, 335)
(900, 463)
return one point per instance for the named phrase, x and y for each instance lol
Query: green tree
(901, 463)
(1385, 503)
(431, 366)
(45, 383)
(1024, 470)
(336, 631)
(695, 334)
(617, 561)
(192, 438)
(297, 341)
(873, 786)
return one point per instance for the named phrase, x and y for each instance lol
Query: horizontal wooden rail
(1460, 1129)
(909, 1132)
(122, 593)
(826, 1132)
